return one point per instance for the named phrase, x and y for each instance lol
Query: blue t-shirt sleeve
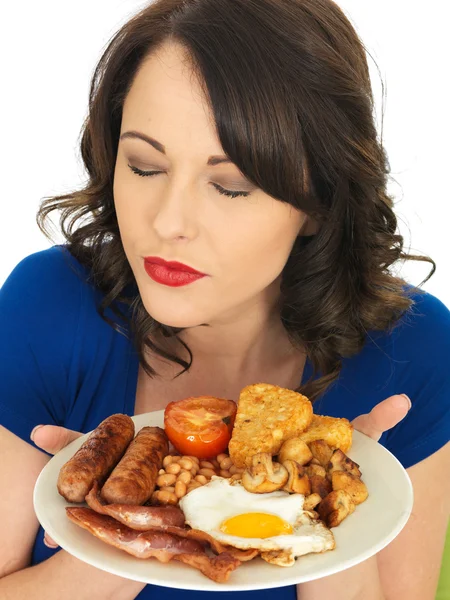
(39, 308)
(421, 352)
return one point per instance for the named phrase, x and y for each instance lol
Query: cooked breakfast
(221, 484)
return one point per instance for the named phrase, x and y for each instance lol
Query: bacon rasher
(147, 518)
(141, 518)
(158, 544)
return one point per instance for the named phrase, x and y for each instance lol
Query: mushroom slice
(355, 488)
(320, 485)
(313, 469)
(311, 501)
(321, 451)
(263, 475)
(298, 482)
(335, 508)
(341, 462)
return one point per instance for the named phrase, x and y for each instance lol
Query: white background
(49, 50)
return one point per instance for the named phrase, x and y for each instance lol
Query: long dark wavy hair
(288, 84)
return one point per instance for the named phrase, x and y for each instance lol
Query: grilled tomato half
(200, 426)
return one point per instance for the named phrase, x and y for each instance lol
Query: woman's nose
(175, 217)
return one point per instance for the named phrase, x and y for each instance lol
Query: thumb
(383, 416)
(52, 438)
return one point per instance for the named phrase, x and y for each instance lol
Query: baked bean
(201, 479)
(236, 477)
(168, 488)
(204, 464)
(186, 463)
(207, 472)
(173, 468)
(167, 479)
(185, 477)
(224, 473)
(176, 459)
(226, 463)
(233, 470)
(167, 460)
(180, 489)
(221, 457)
(193, 458)
(215, 463)
(164, 497)
(193, 485)
(161, 472)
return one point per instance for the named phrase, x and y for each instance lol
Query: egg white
(207, 507)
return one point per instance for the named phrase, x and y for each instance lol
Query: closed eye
(219, 188)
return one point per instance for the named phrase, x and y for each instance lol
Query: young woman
(236, 138)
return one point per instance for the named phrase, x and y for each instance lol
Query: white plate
(374, 524)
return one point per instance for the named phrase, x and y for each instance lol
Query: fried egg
(274, 523)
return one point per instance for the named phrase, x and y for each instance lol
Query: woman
(236, 138)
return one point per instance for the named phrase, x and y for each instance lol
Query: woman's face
(240, 243)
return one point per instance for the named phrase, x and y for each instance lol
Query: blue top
(62, 364)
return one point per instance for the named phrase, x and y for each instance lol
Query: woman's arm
(409, 567)
(61, 576)
(64, 576)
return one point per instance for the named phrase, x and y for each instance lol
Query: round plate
(374, 524)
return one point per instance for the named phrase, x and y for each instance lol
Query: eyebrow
(212, 160)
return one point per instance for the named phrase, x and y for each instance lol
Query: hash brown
(267, 415)
(337, 433)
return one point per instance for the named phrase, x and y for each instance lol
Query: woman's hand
(52, 439)
(383, 416)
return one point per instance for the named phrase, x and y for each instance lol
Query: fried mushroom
(312, 501)
(320, 485)
(355, 488)
(320, 451)
(295, 449)
(341, 462)
(264, 475)
(298, 482)
(335, 507)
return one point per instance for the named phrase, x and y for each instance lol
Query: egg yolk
(256, 525)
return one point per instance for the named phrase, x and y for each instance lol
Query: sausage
(96, 458)
(134, 478)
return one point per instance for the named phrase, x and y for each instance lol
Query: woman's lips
(173, 274)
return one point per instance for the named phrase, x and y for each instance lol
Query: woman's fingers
(383, 416)
(48, 541)
(52, 438)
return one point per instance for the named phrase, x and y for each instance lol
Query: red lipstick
(171, 273)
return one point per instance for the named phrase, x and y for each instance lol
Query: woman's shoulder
(423, 331)
(46, 273)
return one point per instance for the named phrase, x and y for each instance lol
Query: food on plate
(96, 458)
(355, 488)
(295, 449)
(298, 481)
(141, 518)
(273, 523)
(264, 475)
(284, 482)
(200, 426)
(133, 480)
(267, 416)
(153, 543)
(340, 462)
(335, 507)
(337, 433)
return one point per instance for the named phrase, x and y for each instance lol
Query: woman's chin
(173, 318)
